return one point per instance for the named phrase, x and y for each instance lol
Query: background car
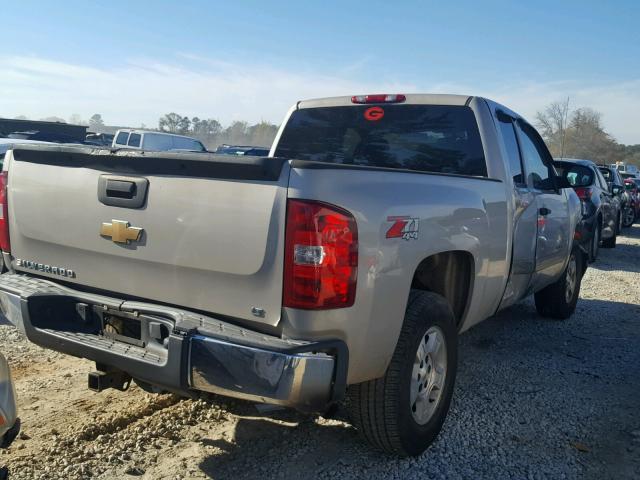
(633, 213)
(156, 141)
(616, 187)
(600, 210)
(99, 139)
(243, 150)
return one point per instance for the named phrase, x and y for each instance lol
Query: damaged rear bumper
(176, 349)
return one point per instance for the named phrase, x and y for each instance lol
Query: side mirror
(616, 189)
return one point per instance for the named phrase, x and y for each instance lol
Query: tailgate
(211, 235)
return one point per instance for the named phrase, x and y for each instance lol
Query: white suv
(155, 141)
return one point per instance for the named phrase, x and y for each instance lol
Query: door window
(536, 158)
(505, 124)
(121, 139)
(601, 180)
(134, 140)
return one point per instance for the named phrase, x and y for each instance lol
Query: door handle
(544, 211)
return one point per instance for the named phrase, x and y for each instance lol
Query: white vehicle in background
(155, 141)
(623, 167)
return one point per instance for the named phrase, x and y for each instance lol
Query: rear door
(554, 235)
(525, 216)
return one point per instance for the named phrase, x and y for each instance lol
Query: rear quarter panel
(452, 213)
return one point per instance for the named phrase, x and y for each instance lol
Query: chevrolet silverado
(341, 267)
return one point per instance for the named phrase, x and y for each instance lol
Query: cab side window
(536, 158)
(122, 137)
(505, 124)
(602, 182)
(134, 140)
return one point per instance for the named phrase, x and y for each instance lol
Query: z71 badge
(404, 227)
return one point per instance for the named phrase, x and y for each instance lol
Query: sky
(250, 60)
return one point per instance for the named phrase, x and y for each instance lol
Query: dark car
(616, 186)
(633, 190)
(243, 150)
(600, 208)
(99, 139)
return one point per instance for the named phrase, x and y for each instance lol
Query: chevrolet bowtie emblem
(120, 231)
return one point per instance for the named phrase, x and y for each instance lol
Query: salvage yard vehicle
(155, 141)
(633, 212)
(346, 264)
(600, 211)
(616, 187)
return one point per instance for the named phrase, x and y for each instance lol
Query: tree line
(212, 133)
(579, 133)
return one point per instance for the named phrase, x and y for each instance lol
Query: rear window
(157, 142)
(427, 138)
(122, 137)
(577, 175)
(182, 143)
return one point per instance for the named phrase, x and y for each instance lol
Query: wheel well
(448, 274)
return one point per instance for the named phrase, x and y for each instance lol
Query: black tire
(380, 409)
(595, 242)
(629, 217)
(619, 223)
(610, 242)
(553, 301)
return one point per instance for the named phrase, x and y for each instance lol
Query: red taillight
(584, 193)
(321, 256)
(4, 213)
(380, 98)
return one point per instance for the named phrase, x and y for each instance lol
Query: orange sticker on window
(373, 114)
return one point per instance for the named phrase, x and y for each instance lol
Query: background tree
(174, 123)
(212, 133)
(580, 133)
(76, 119)
(96, 123)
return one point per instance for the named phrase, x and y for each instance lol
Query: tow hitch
(105, 378)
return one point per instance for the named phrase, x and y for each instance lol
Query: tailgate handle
(120, 188)
(119, 191)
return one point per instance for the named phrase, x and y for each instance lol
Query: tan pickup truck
(343, 265)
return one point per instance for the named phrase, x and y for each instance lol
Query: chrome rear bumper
(199, 353)
(299, 379)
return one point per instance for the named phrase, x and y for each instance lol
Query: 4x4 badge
(120, 232)
(405, 227)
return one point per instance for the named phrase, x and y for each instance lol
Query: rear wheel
(403, 412)
(629, 217)
(559, 299)
(610, 242)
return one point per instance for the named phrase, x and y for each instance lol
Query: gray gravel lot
(535, 398)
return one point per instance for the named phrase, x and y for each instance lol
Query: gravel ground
(535, 398)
